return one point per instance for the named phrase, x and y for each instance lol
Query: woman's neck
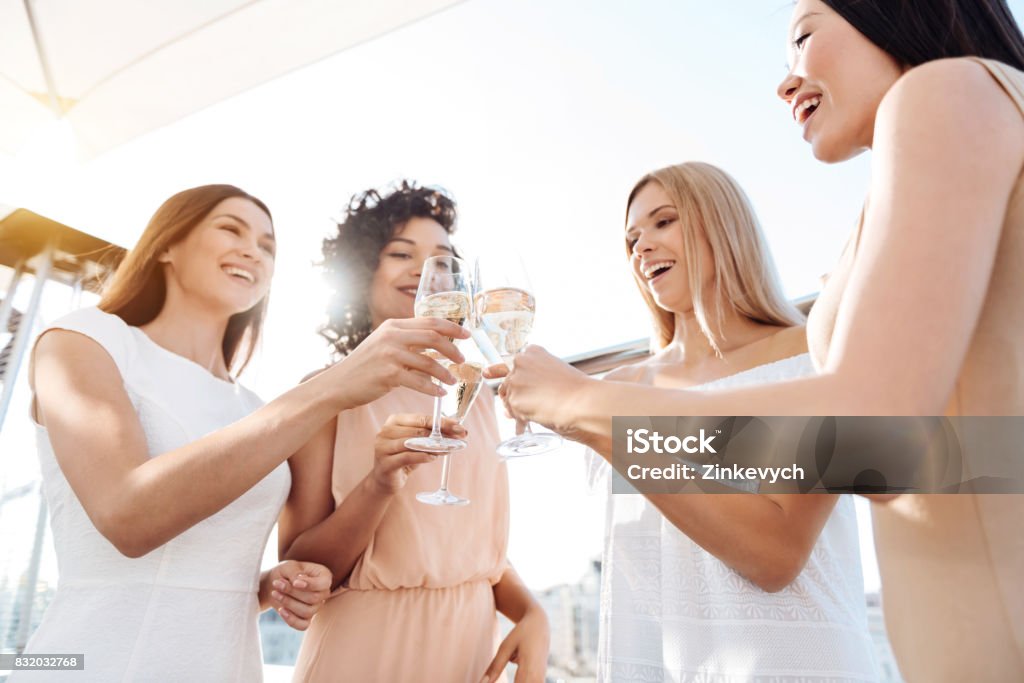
(690, 346)
(191, 331)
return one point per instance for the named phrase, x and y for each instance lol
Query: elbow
(120, 531)
(128, 544)
(777, 572)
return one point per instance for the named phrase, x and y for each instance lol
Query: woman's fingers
(426, 365)
(500, 661)
(496, 371)
(389, 449)
(443, 327)
(297, 623)
(408, 426)
(421, 382)
(421, 340)
(309, 597)
(302, 610)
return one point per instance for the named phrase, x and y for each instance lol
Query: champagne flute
(505, 314)
(444, 292)
(455, 404)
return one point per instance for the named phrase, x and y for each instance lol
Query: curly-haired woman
(419, 587)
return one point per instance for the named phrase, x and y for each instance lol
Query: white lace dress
(187, 611)
(671, 611)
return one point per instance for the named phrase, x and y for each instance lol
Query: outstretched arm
(140, 502)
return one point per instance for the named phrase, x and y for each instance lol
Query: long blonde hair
(711, 203)
(137, 290)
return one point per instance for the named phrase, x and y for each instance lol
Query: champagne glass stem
(435, 430)
(446, 466)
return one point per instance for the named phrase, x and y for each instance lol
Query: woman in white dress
(163, 475)
(723, 588)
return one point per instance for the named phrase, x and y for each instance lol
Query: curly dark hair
(352, 255)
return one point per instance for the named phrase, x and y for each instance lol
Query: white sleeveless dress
(671, 611)
(188, 610)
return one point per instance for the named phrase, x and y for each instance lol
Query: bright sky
(538, 116)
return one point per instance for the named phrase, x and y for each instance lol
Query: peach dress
(952, 565)
(419, 604)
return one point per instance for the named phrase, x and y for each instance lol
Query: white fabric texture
(671, 611)
(188, 610)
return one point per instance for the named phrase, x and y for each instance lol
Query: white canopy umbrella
(115, 69)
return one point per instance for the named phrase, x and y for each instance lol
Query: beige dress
(419, 604)
(952, 566)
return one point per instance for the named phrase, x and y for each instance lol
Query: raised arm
(140, 502)
(943, 171)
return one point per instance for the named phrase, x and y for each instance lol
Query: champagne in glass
(505, 314)
(452, 306)
(459, 399)
(444, 292)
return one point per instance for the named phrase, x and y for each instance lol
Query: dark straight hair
(918, 31)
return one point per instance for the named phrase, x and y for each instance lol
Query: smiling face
(393, 288)
(654, 235)
(227, 260)
(837, 80)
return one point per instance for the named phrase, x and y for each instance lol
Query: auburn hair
(137, 289)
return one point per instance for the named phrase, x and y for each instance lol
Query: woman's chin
(830, 151)
(671, 305)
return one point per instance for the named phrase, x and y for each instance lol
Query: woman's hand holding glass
(539, 387)
(393, 462)
(392, 356)
(504, 311)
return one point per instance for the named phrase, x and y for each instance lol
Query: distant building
(280, 642)
(573, 611)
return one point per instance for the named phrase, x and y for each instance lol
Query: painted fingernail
(301, 583)
(283, 612)
(275, 595)
(279, 585)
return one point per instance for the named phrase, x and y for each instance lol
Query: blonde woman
(706, 586)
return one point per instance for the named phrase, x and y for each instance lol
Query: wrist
(376, 488)
(572, 407)
(339, 390)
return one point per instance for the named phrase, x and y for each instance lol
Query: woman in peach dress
(418, 587)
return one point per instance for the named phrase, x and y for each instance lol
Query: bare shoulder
(790, 341)
(72, 350)
(628, 373)
(68, 370)
(941, 96)
(784, 342)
